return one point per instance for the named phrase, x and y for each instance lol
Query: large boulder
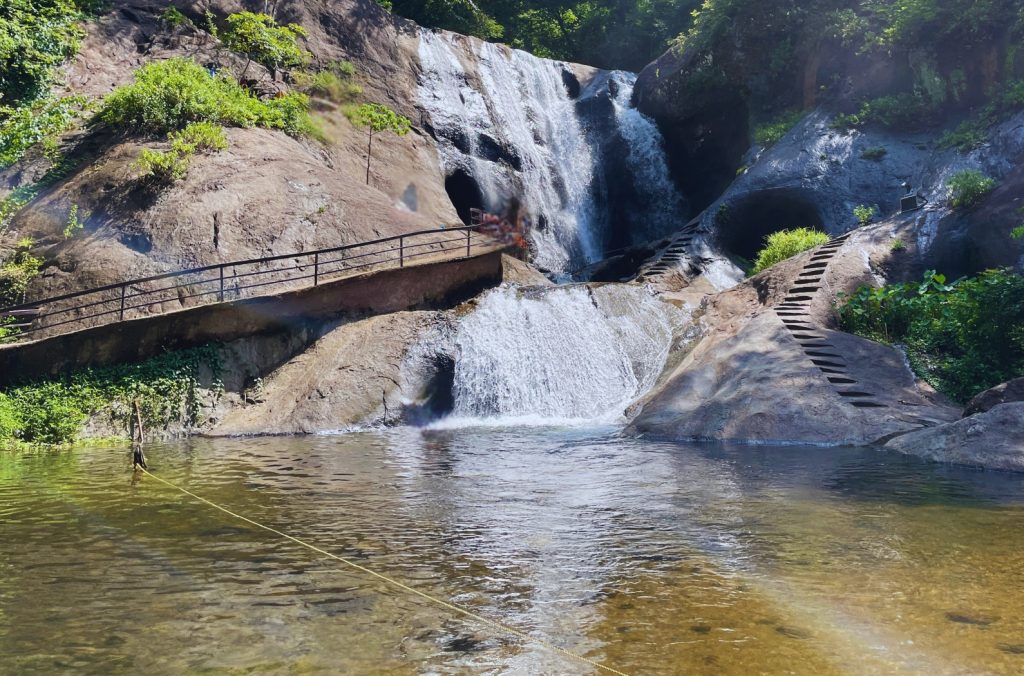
(760, 386)
(349, 376)
(1000, 394)
(994, 440)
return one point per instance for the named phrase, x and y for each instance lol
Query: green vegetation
(897, 245)
(963, 337)
(874, 153)
(903, 111)
(169, 95)
(1018, 232)
(36, 36)
(17, 272)
(785, 244)
(75, 223)
(41, 120)
(166, 388)
(771, 133)
(377, 118)
(972, 133)
(334, 82)
(261, 39)
(968, 187)
(606, 33)
(865, 214)
(163, 168)
(173, 18)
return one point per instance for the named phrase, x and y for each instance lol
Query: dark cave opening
(741, 227)
(464, 192)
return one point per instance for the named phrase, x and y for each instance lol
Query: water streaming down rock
(508, 125)
(660, 204)
(562, 354)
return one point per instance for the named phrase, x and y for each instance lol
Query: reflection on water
(654, 557)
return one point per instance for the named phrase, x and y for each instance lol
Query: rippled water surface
(650, 557)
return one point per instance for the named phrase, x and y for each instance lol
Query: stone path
(668, 259)
(794, 313)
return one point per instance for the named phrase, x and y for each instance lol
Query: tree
(260, 38)
(378, 118)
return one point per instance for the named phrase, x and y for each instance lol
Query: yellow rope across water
(363, 569)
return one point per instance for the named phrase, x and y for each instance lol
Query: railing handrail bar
(227, 264)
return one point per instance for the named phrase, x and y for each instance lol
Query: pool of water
(650, 557)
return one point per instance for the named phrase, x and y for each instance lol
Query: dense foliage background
(758, 41)
(625, 34)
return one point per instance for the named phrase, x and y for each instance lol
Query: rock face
(770, 367)
(993, 439)
(759, 386)
(1000, 394)
(816, 176)
(268, 192)
(348, 376)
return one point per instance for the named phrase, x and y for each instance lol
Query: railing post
(469, 241)
(124, 287)
(316, 269)
(222, 283)
(401, 252)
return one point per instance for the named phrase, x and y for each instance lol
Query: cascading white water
(663, 205)
(563, 354)
(524, 104)
(507, 120)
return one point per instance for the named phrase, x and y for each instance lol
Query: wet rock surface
(993, 439)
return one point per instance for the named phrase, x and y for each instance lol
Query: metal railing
(231, 281)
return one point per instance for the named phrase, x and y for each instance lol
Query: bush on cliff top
(785, 244)
(169, 95)
(963, 338)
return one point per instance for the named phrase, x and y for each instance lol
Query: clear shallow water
(655, 558)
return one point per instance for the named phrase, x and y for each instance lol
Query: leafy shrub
(169, 95)
(903, 111)
(17, 273)
(261, 39)
(163, 168)
(1018, 232)
(173, 18)
(200, 136)
(21, 128)
(875, 153)
(333, 83)
(769, 134)
(74, 224)
(966, 137)
(785, 244)
(53, 411)
(37, 36)
(864, 213)
(968, 187)
(897, 245)
(963, 337)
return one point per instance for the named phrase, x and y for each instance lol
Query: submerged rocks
(993, 439)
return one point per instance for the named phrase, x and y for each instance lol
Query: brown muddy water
(650, 557)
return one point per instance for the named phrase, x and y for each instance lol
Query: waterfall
(512, 126)
(661, 205)
(560, 354)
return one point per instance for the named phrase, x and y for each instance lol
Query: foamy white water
(559, 356)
